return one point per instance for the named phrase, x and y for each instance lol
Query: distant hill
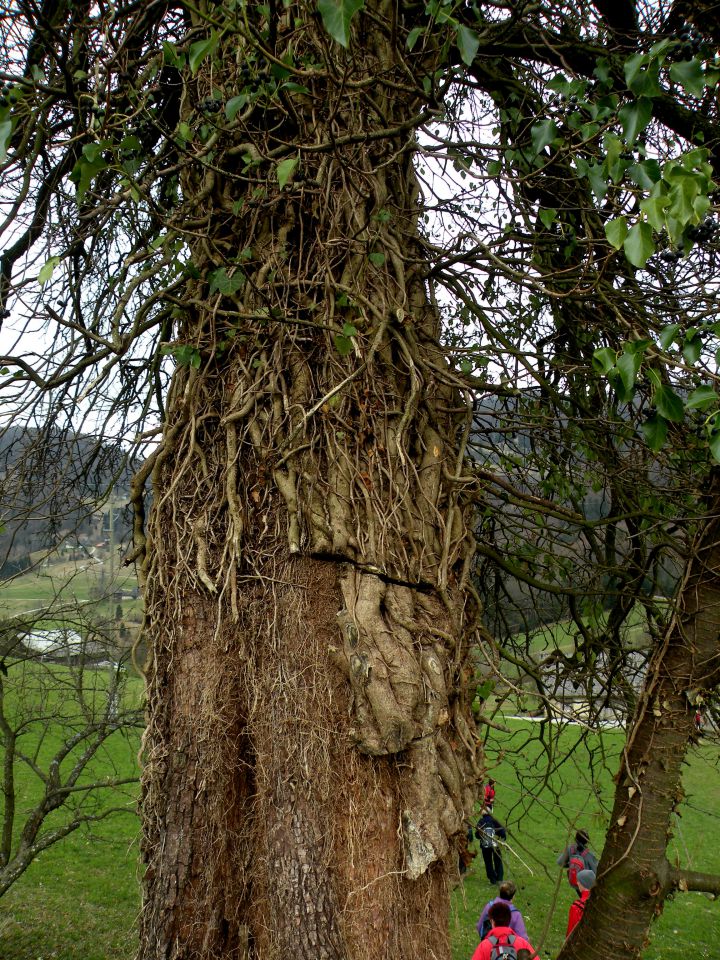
(53, 485)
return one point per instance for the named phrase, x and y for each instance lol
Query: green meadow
(80, 899)
(68, 583)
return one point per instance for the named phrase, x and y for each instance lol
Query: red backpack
(576, 863)
(503, 951)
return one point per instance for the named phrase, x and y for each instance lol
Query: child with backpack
(577, 856)
(585, 883)
(502, 943)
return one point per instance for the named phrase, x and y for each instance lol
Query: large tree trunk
(635, 876)
(310, 753)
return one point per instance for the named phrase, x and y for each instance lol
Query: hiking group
(501, 926)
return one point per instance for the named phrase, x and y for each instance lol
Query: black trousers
(493, 864)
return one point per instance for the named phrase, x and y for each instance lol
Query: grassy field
(68, 582)
(80, 899)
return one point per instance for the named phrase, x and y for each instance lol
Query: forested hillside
(54, 489)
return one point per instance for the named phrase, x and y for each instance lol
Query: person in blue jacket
(489, 831)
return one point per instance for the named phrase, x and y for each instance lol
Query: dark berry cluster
(564, 106)
(690, 42)
(705, 231)
(7, 95)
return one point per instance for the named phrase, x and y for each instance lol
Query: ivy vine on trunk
(311, 754)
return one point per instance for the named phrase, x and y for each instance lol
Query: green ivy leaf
(669, 405)
(598, 181)
(641, 75)
(690, 75)
(414, 36)
(90, 163)
(93, 151)
(654, 378)
(713, 431)
(654, 209)
(568, 88)
(602, 69)
(280, 72)
(692, 348)
(639, 245)
(220, 282)
(628, 365)
(46, 271)
(336, 16)
(543, 134)
(634, 117)
(234, 105)
(616, 382)
(468, 43)
(702, 398)
(683, 193)
(613, 148)
(668, 334)
(284, 170)
(547, 217)
(616, 231)
(184, 355)
(378, 259)
(655, 431)
(201, 49)
(295, 87)
(343, 345)
(171, 56)
(645, 174)
(604, 359)
(5, 134)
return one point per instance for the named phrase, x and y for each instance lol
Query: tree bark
(635, 877)
(310, 754)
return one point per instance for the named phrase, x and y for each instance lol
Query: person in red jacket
(585, 883)
(501, 934)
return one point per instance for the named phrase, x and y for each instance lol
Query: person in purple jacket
(506, 892)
